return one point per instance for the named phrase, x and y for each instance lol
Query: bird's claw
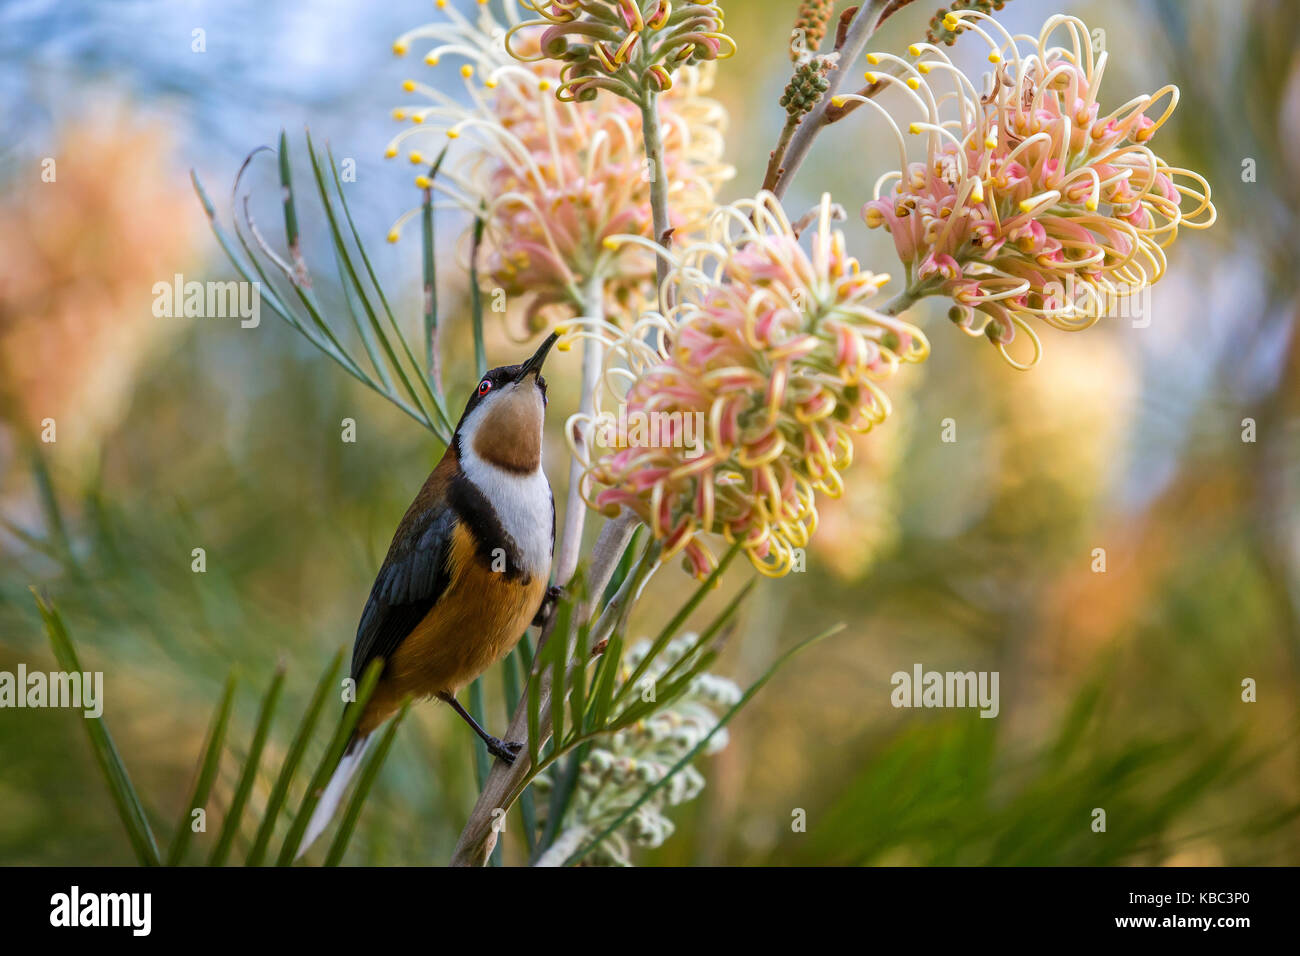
(548, 605)
(507, 750)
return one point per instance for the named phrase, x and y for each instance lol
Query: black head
(496, 380)
(503, 419)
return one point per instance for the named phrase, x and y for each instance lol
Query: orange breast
(475, 623)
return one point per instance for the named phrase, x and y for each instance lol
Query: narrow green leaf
(417, 396)
(557, 649)
(625, 563)
(604, 681)
(430, 273)
(230, 825)
(707, 635)
(364, 782)
(110, 762)
(535, 712)
(477, 710)
(731, 712)
(290, 211)
(207, 774)
(675, 623)
(665, 694)
(476, 294)
(330, 760)
(294, 757)
(578, 695)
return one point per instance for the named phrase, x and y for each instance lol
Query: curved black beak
(534, 365)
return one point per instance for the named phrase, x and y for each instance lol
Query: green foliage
(131, 809)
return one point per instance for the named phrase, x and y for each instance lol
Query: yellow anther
(392, 236)
(873, 58)
(869, 77)
(914, 129)
(994, 57)
(467, 71)
(544, 85)
(409, 86)
(837, 101)
(913, 83)
(453, 133)
(923, 68)
(399, 114)
(390, 152)
(914, 50)
(950, 22)
(416, 158)
(431, 59)
(400, 48)
(423, 182)
(1027, 205)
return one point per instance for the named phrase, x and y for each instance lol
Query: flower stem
(774, 163)
(575, 509)
(901, 302)
(652, 134)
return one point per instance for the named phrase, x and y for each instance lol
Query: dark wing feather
(413, 577)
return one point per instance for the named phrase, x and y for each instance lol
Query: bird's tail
(333, 793)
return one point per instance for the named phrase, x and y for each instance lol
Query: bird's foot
(548, 605)
(507, 750)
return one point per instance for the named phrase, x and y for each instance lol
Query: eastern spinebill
(467, 570)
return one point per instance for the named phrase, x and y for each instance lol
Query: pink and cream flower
(553, 180)
(1032, 202)
(775, 349)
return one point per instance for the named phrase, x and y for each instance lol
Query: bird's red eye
(484, 387)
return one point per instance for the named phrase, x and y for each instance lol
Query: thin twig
(852, 43)
(565, 844)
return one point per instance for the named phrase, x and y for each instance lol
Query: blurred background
(1120, 690)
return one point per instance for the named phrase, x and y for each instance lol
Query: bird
(468, 569)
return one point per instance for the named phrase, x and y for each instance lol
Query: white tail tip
(333, 796)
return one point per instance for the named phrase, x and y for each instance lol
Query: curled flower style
(748, 391)
(1031, 202)
(624, 46)
(620, 767)
(553, 180)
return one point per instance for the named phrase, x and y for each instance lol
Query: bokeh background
(1120, 690)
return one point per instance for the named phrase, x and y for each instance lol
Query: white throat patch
(522, 502)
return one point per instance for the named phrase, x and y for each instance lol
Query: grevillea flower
(624, 46)
(620, 766)
(1031, 201)
(775, 352)
(554, 180)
